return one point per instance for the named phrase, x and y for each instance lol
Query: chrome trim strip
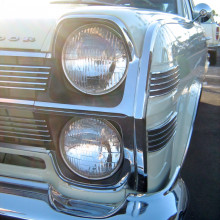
(24, 54)
(168, 80)
(25, 138)
(23, 119)
(164, 88)
(99, 18)
(25, 83)
(163, 131)
(170, 71)
(21, 133)
(30, 88)
(16, 102)
(12, 123)
(162, 75)
(24, 77)
(162, 144)
(159, 136)
(170, 118)
(24, 67)
(164, 91)
(164, 82)
(26, 129)
(141, 100)
(24, 72)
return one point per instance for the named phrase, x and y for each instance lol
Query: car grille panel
(24, 77)
(24, 130)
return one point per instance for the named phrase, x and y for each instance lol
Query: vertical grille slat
(159, 136)
(164, 82)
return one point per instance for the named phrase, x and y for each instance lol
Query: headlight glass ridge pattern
(91, 148)
(94, 59)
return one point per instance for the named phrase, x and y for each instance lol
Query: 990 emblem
(25, 39)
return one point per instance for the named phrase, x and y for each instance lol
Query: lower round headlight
(91, 148)
(94, 59)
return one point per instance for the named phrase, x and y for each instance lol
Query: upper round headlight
(91, 148)
(94, 59)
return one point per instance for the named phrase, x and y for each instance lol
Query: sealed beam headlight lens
(91, 148)
(94, 59)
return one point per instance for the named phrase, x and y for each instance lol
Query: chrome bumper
(167, 203)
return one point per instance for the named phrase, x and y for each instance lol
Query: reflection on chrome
(91, 148)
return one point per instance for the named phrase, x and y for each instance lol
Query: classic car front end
(97, 104)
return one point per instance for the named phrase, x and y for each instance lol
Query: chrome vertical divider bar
(140, 105)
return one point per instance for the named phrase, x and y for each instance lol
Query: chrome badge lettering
(2, 38)
(16, 38)
(28, 39)
(13, 38)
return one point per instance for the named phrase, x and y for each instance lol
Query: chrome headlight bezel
(70, 37)
(61, 148)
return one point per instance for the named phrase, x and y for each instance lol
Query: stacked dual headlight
(91, 148)
(95, 59)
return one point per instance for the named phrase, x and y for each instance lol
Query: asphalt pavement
(201, 170)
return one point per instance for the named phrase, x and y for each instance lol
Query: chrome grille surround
(24, 77)
(164, 82)
(159, 136)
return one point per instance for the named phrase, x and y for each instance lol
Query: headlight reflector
(91, 148)
(94, 59)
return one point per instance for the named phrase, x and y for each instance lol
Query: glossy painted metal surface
(171, 201)
(191, 61)
(134, 113)
(130, 105)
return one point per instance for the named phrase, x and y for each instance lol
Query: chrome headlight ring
(91, 148)
(95, 59)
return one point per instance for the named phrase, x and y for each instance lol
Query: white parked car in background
(212, 33)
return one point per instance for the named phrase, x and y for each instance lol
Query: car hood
(39, 21)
